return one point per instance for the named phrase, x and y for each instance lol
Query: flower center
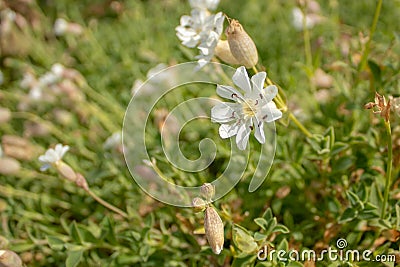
(249, 108)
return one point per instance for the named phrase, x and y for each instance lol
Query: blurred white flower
(60, 26)
(311, 19)
(155, 80)
(249, 111)
(52, 156)
(204, 4)
(113, 141)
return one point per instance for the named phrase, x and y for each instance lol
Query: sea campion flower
(249, 111)
(53, 156)
(201, 30)
(204, 4)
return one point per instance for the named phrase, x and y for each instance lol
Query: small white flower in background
(113, 141)
(248, 111)
(61, 27)
(312, 16)
(204, 4)
(53, 156)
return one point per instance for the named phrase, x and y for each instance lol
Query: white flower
(312, 19)
(113, 141)
(52, 156)
(249, 111)
(60, 26)
(198, 27)
(204, 4)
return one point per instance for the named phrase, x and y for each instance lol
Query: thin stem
(364, 57)
(282, 106)
(389, 169)
(299, 124)
(307, 45)
(106, 204)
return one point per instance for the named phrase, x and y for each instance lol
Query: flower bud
(9, 258)
(66, 171)
(207, 191)
(214, 230)
(9, 166)
(198, 204)
(241, 45)
(81, 182)
(223, 52)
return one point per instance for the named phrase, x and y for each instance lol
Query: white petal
(242, 136)
(228, 130)
(258, 81)
(269, 113)
(45, 167)
(241, 79)
(270, 92)
(259, 131)
(223, 112)
(228, 92)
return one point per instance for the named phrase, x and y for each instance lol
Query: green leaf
(268, 215)
(338, 147)
(75, 233)
(376, 72)
(261, 222)
(348, 215)
(55, 243)
(243, 240)
(281, 229)
(74, 258)
(258, 236)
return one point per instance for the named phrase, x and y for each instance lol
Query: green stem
(307, 45)
(106, 204)
(364, 57)
(389, 169)
(299, 124)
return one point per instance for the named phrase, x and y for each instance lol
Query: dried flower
(223, 52)
(241, 45)
(249, 111)
(9, 258)
(380, 106)
(198, 204)
(214, 229)
(207, 191)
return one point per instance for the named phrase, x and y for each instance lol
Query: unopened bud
(66, 171)
(207, 191)
(214, 230)
(198, 204)
(223, 52)
(9, 166)
(9, 258)
(241, 45)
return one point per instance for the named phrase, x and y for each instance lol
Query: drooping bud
(241, 45)
(207, 191)
(223, 52)
(9, 258)
(198, 204)
(214, 229)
